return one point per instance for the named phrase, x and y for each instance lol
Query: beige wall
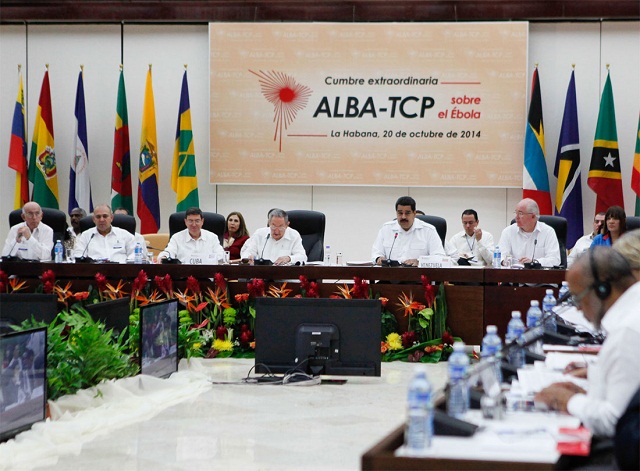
(354, 214)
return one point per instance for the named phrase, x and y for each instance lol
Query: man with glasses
(104, 242)
(31, 239)
(472, 246)
(277, 243)
(608, 294)
(194, 245)
(528, 240)
(405, 239)
(584, 242)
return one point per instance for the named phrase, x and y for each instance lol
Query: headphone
(602, 288)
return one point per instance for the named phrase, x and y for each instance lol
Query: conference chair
(439, 223)
(310, 225)
(213, 222)
(559, 225)
(54, 218)
(633, 222)
(123, 221)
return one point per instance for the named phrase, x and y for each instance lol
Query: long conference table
(476, 297)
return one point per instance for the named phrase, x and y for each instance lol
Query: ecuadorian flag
(183, 174)
(148, 175)
(42, 161)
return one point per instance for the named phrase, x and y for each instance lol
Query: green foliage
(190, 340)
(81, 353)
(389, 323)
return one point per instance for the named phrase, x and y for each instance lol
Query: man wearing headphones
(604, 288)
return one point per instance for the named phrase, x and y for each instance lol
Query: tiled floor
(258, 427)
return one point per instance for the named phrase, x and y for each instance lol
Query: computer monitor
(159, 338)
(114, 314)
(18, 307)
(319, 336)
(23, 380)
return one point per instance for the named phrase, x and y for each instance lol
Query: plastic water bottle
(339, 260)
(327, 255)
(548, 303)
(137, 253)
(497, 258)
(515, 329)
(491, 346)
(419, 426)
(458, 398)
(564, 289)
(58, 252)
(534, 315)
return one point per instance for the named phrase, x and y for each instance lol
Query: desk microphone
(261, 260)
(9, 256)
(533, 263)
(388, 262)
(84, 258)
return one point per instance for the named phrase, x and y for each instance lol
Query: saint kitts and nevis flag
(18, 149)
(605, 177)
(148, 201)
(79, 183)
(42, 161)
(567, 168)
(183, 175)
(635, 172)
(121, 193)
(535, 179)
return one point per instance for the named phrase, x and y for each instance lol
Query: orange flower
(219, 298)
(384, 301)
(281, 292)
(116, 292)
(81, 295)
(409, 305)
(345, 292)
(384, 346)
(63, 293)
(433, 348)
(16, 284)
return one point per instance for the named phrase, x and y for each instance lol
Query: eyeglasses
(520, 213)
(280, 228)
(194, 221)
(33, 214)
(101, 216)
(576, 299)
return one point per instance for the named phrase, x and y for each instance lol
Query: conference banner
(437, 104)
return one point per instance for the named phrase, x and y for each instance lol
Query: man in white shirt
(277, 243)
(530, 240)
(136, 236)
(194, 245)
(104, 242)
(608, 294)
(584, 242)
(473, 245)
(405, 238)
(31, 239)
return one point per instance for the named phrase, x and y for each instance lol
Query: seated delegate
(406, 238)
(104, 242)
(615, 224)
(31, 239)
(235, 235)
(194, 245)
(529, 240)
(277, 243)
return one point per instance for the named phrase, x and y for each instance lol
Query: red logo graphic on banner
(287, 95)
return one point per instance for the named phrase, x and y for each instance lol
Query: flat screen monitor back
(114, 314)
(23, 381)
(280, 322)
(159, 338)
(18, 307)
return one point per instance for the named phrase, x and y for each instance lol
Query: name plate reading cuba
(411, 104)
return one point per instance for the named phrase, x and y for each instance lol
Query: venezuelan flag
(18, 150)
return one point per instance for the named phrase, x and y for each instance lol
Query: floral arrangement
(215, 324)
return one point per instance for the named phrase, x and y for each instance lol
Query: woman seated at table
(615, 224)
(235, 235)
